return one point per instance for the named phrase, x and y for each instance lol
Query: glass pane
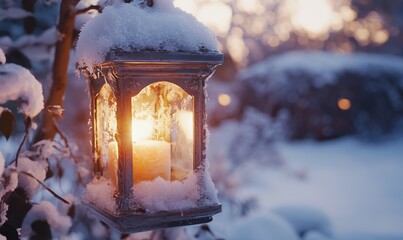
(106, 128)
(162, 133)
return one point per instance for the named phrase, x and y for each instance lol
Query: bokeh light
(224, 99)
(245, 26)
(344, 104)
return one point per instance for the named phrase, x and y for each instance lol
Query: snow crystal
(46, 211)
(2, 57)
(35, 168)
(264, 227)
(100, 192)
(18, 83)
(128, 26)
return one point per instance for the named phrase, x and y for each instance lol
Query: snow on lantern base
(191, 201)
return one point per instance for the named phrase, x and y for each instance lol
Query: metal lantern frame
(128, 73)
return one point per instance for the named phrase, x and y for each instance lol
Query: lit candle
(151, 158)
(113, 161)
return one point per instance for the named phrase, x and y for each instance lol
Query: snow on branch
(13, 13)
(18, 83)
(46, 211)
(89, 8)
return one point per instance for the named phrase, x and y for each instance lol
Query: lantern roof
(159, 56)
(131, 27)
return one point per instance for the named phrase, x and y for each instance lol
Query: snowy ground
(356, 184)
(359, 185)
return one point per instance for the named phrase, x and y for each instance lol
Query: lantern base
(132, 223)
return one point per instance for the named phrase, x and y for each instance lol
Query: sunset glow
(216, 15)
(313, 16)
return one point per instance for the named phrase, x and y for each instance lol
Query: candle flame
(142, 129)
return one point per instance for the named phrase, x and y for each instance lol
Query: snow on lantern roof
(131, 27)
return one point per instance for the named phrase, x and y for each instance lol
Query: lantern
(149, 140)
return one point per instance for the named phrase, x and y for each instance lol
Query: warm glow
(348, 14)
(313, 16)
(344, 104)
(142, 129)
(224, 99)
(380, 37)
(237, 47)
(250, 6)
(216, 15)
(186, 5)
(362, 35)
(185, 119)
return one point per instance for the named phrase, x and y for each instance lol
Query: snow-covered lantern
(147, 86)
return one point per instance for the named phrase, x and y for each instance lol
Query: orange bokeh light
(344, 104)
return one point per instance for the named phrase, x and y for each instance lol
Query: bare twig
(28, 124)
(46, 187)
(89, 8)
(61, 133)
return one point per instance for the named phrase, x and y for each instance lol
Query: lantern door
(162, 133)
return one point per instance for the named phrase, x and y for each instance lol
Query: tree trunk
(60, 66)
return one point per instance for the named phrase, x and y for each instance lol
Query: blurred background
(305, 114)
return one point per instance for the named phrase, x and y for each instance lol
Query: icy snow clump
(18, 83)
(46, 211)
(161, 195)
(36, 168)
(100, 192)
(131, 27)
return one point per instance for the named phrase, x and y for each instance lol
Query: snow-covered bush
(236, 149)
(22, 178)
(309, 85)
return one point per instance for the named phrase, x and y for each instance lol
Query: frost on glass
(162, 133)
(106, 128)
